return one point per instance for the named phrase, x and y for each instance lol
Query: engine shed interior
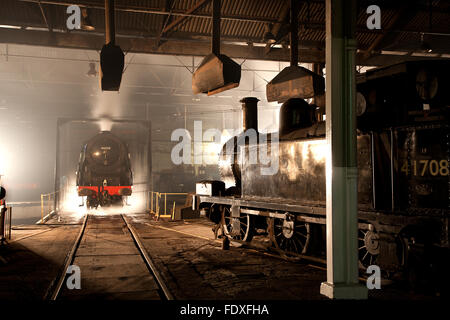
(140, 136)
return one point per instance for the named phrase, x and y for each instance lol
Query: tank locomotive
(403, 152)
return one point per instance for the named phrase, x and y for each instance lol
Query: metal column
(215, 40)
(341, 185)
(110, 24)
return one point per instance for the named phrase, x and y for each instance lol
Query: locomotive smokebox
(250, 113)
(295, 114)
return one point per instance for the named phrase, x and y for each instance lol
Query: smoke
(75, 206)
(105, 124)
(106, 106)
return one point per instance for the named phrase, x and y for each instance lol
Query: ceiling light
(269, 38)
(424, 46)
(92, 72)
(86, 23)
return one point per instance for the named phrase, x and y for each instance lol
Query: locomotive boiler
(104, 173)
(403, 153)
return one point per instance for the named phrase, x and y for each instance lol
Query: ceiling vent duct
(111, 57)
(294, 81)
(217, 72)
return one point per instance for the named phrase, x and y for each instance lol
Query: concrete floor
(186, 254)
(31, 260)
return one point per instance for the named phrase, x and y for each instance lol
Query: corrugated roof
(235, 25)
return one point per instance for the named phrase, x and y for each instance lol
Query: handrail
(47, 197)
(153, 203)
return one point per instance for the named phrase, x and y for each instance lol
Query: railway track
(94, 244)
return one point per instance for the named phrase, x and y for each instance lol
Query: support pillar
(341, 185)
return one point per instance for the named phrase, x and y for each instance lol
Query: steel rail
(148, 261)
(69, 259)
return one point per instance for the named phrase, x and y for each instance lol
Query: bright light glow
(292, 151)
(315, 148)
(211, 150)
(36, 28)
(135, 203)
(424, 54)
(70, 204)
(397, 53)
(7, 26)
(303, 157)
(5, 161)
(70, 201)
(105, 124)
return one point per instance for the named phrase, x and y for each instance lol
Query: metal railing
(154, 204)
(5, 223)
(48, 204)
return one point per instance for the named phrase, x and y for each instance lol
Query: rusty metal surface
(301, 174)
(294, 82)
(215, 72)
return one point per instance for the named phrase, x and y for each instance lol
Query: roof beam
(168, 8)
(179, 20)
(284, 13)
(81, 40)
(44, 17)
(398, 22)
(381, 36)
(87, 41)
(156, 11)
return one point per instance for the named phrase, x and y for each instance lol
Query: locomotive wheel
(368, 247)
(290, 237)
(237, 228)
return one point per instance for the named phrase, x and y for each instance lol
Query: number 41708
(422, 167)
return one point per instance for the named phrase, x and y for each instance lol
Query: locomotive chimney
(250, 113)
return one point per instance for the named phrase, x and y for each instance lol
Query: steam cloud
(107, 106)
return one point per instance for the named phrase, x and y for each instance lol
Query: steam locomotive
(403, 153)
(104, 173)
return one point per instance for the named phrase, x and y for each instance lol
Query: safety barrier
(5, 223)
(154, 203)
(48, 205)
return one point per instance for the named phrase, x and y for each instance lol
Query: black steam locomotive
(104, 172)
(403, 153)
